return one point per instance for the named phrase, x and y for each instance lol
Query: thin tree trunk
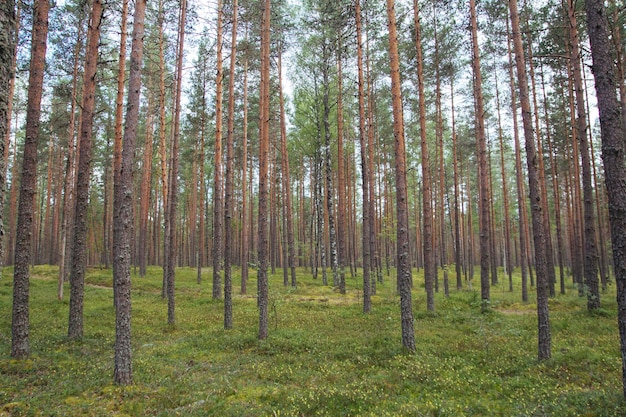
(481, 144)
(457, 220)
(505, 195)
(20, 346)
(286, 185)
(172, 199)
(430, 271)
(544, 342)
(79, 252)
(146, 184)
(591, 252)
(123, 208)
(341, 181)
(245, 229)
(218, 202)
(367, 301)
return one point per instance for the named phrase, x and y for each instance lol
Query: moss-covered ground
(323, 357)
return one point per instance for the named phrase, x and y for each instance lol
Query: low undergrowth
(323, 357)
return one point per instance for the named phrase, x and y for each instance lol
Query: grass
(323, 356)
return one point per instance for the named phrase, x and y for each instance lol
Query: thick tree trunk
(79, 252)
(457, 218)
(264, 139)
(613, 129)
(123, 209)
(544, 342)
(20, 346)
(8, 29)
(402, 236)
(229, 200)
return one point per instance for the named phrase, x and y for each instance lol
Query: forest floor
(323, 357)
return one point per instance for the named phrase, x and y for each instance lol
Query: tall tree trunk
(328, 166)
(146, 186)
(123, 208)
(505, 196)
(8, 30)
(341, 181)
(218, 202)
(264, 139)
(543, 184)
(70, 177)
(457, 217)
(245, 229)
(544, 342)
(229, 200)
(483, 173)
(367, 301)
(613, 131)
(79, 253)
(430, 271)
(402, 236)
(20, 346)
(162, 142)
(591, 252)
(286, 184)
(172, 199)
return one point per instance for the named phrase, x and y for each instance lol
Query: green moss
(324, 357)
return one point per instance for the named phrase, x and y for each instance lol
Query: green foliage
(323, 356)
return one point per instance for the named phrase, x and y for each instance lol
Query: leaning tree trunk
(123, 209)
(613, 132)
(20, 347)
(79, 253)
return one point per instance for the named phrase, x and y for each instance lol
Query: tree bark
(613, 132)
(123, 209)
(172, 200)
(367, 301)
(544, 339)
(20, 346)
(228, 200)
(591, 252)
(218, 202)
(483, 173)
(79, 252)
(430, 271)
(264, 138)
(402, 236)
